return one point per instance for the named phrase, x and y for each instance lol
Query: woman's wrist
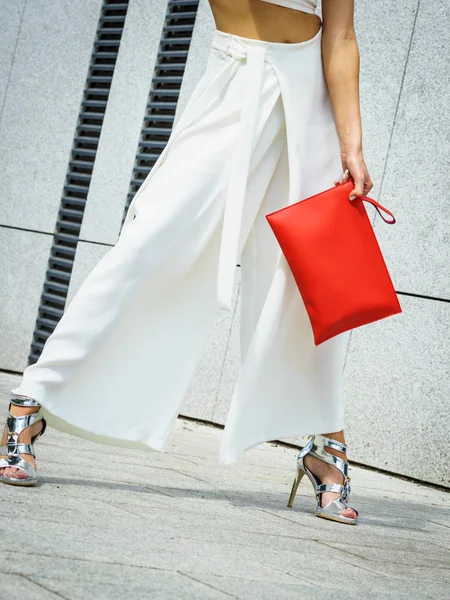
(351, 138)
(351, 149)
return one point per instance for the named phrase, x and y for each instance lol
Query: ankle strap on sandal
(316, 447)
(331, 443)
(22, 400)
(15, 448)
(17, 424)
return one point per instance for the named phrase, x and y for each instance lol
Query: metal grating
(165, 89)
(78, 179)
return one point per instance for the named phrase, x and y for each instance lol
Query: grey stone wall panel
(231, 365)
(86, 257)
(198, 54)
(417, 182)
(383, 31)
(41, 108)
(203, 394)
(22, 269)
(397, 386)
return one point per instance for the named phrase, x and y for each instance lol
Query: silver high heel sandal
(316, 448)
(13, 448)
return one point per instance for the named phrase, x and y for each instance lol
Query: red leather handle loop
(378, 206)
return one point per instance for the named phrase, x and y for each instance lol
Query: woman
(273, 120)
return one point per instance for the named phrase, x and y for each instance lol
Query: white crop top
(308, 6)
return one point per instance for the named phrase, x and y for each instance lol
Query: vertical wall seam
(227, 348)
(398, 102)
(8, 79)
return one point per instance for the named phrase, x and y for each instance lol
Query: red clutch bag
(334, 256)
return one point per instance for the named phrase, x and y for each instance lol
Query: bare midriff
(262, 21)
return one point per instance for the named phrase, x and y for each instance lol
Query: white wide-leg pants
(257, 134)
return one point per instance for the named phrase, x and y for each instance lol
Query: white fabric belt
(239, 172)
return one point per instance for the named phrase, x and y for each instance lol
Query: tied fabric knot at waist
(255, 57)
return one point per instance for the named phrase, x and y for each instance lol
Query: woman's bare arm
(340, 55)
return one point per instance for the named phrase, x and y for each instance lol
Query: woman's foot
(18, 436)
(329, 474)
(323, 459)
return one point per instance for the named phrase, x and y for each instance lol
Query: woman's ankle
(339, 437)
(20, 411)
(27, 434)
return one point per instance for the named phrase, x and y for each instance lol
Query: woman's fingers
(359, 186)
(368, 184)
(356, 171)
(344, 177)
(359, 173)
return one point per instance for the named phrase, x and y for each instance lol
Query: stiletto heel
(295, 488)
(316, 448)
(13, 448)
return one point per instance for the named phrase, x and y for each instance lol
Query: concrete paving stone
(111, 580)
(21, 587)
(134, 550)
(106, 522)
(324, 590)
(437, 560)
(268, 564)
(256, 590)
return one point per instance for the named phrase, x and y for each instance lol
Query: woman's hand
(354, 166)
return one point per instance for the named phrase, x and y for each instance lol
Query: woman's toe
(16, 473)
(349, 513)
